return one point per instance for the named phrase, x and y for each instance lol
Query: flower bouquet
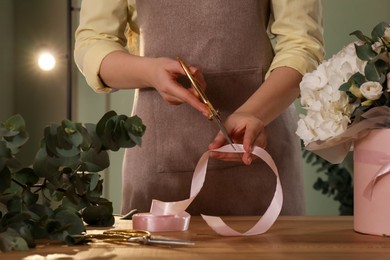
(347, 103)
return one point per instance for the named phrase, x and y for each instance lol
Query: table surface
(291, 237)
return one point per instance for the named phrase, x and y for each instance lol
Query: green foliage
(338, 183)
(375, 51)
(62, 188)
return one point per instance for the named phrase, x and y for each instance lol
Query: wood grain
(302, 237)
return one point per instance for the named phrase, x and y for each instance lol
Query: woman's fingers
(171, 91)
(247, 130)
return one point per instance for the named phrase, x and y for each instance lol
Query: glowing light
(46, 61)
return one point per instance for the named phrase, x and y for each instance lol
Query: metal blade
(161, 241)
(169, 242)
(224, 131)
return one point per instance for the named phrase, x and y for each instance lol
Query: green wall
(26, 27)
(6, 59)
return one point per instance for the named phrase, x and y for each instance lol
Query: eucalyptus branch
(56, 197)
(75, 171)
(19, 183)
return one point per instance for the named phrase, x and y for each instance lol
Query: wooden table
(301, 237)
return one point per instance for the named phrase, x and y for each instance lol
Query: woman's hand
(247, 124)
(163, 77)
(244, 128)
(121, 70)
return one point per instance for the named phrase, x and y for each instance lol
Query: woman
(252, 83)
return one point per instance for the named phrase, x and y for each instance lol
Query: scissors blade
(224, 131)
(213, 112)
(160, 241)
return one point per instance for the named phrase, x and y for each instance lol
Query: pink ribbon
(377, 158)
(161, 223)
(176, 210)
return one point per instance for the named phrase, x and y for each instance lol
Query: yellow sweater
(296, 26)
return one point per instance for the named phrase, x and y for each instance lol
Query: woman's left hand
(243, 128)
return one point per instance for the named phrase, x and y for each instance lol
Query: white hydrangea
(327, 109)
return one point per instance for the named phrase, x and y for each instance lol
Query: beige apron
(229, 41)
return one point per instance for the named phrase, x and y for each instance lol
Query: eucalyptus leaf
(374, 72)
(10, 240)
(358, 78)
(16, 123)
(16, 141)
(135, 140)
(71, 218)
(44, 167)
(365, 52)
(3, 209)
(50, 139)
(361, 36)
(345, 86)
(91, 136)
(94, 181)
(3, 163)
(69, 153)
(100, 215)
(62, 139)
(97, 191)
(54, 228)
(12, 163)
(29, 198)
(109, 137)
(5, 179)
(15, 217)
(83, 202)
(73, 134)
(379, 31)
(101, 125)
(77, 239)
(12, 192)
(26, 176)
(100, 201)
(39, 231)
(72, 195)
(5, 152)
(79, 185)
(41, 211)
(94, 161)
(25, 232)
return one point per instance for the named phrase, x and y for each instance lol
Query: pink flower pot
(372, 183)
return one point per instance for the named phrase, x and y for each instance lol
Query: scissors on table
(213, 113)
(135, 236)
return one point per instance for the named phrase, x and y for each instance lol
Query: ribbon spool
(171, 216)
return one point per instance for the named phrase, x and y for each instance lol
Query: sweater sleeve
(101, 31)
(298, 30)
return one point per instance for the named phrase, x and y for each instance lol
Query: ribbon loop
(177, 208)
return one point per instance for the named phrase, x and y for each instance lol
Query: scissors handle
(194, 82)
(213, 113)
(137, 236)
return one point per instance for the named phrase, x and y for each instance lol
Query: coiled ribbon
(171, 216)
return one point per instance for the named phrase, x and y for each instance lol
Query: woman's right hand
(120, 70)
(163, 77)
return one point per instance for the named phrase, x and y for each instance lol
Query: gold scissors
(213, 113)
(120, 236)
